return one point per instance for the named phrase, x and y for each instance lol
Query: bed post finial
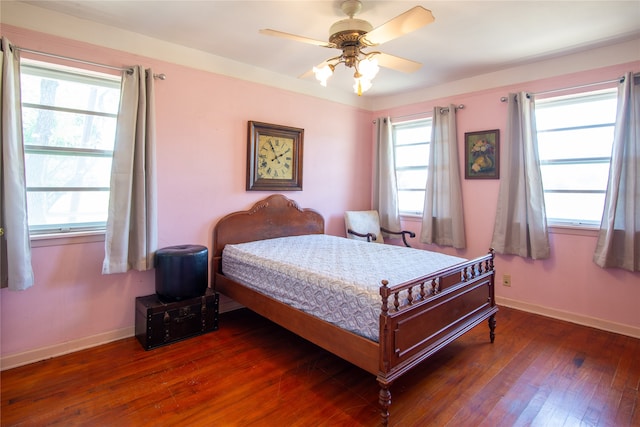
(492, 252)
(384, 292)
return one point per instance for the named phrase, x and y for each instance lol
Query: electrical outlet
(506, 280)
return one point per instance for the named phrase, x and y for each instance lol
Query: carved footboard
(420, 317)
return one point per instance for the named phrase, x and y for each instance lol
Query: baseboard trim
(593, 322)
(44, 353)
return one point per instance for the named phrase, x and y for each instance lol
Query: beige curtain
(16, 271)
(619, 238)
(521, 226)
(443, 217)
(131, 236)
(385, 187)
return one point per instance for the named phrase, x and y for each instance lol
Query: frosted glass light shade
(323, 73)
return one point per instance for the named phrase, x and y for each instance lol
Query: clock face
(275, 157)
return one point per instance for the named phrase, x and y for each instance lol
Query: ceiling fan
(353, 35)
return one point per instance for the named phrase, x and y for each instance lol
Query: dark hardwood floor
(539, 372)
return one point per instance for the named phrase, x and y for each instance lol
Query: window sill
(411, 217)
(591, 231)
(582, 230)
(60, 239)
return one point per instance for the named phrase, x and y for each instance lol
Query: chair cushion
(363, 222)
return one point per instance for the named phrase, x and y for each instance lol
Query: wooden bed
(410, 331)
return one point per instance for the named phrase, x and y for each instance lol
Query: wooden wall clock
(274, 157)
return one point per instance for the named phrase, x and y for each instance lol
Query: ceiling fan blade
(402, 24)
(397, 63)
(306, 74)
(302, 39)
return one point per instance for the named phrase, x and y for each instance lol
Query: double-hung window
(411, 141)
(69, 124)
(575, 136)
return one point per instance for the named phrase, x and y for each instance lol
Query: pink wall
(201, 154)
(202, 126)
(567, 283)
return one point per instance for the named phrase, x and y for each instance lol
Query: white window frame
(45, 69)
(415, 187)
(579, 223)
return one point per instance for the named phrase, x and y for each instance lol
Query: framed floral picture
(482, 154)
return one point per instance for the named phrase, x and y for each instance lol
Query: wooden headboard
(275, 216)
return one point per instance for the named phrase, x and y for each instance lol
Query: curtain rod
(618, 80)
(161, 76)
(442, 110)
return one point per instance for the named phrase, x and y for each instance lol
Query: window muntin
(411, 144)
(69, 125)
(575, 136)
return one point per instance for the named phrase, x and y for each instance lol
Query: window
(411, 142)
(69, 124)
(575, 136)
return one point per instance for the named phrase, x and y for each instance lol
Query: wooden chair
(365, 225)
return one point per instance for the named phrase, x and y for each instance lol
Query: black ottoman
(181, 272)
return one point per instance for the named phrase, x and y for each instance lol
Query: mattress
(330, 277)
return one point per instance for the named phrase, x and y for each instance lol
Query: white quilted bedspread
(333, 278)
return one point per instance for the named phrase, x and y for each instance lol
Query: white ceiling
(468, 38)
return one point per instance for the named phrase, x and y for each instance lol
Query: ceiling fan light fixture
(361, 85)
(323, 73)
(368, 68)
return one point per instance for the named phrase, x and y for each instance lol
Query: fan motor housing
(348, 31)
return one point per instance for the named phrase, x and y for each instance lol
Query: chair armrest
(404, 234)
(370, 236)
